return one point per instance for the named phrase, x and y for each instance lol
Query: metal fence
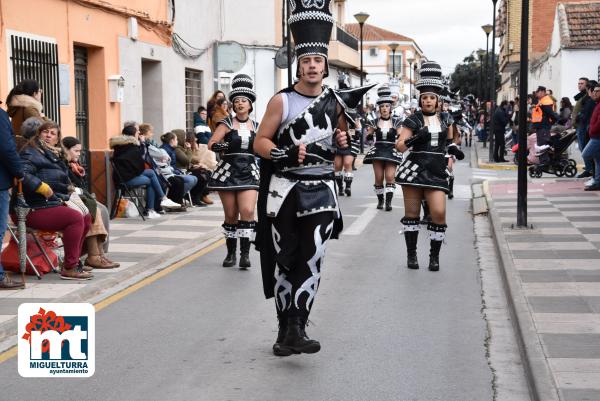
(37, 59)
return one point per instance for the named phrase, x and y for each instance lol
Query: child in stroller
(559, 164)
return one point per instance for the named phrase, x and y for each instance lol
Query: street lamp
(493, 83)
(487, 29)
(480, 54)
(361, 18)
(393, 47)
(410, 63)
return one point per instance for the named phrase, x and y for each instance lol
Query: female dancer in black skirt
(236, 177)
(383, 155)
(423, 175)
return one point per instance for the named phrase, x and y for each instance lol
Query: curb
(105, 287)
(492, 166)
(539, 378)
(505, 167)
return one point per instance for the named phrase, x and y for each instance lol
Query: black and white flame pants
(300, 243)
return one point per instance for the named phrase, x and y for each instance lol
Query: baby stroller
(559, 164)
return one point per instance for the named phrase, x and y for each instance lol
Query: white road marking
(361, 222)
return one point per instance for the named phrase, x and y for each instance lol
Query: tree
(466, 76)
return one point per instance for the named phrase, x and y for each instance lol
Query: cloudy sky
(447, 31)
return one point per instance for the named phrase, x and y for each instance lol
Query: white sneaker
(589, 182)
(169, 204)
(153, 215)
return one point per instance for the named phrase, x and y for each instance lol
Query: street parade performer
(236, 177)
(423, 175)
(344, 158)
(383, 154)
(297, 206)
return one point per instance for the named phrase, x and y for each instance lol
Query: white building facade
(215, 40)
(572, 53)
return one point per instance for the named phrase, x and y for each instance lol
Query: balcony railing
(347, 39)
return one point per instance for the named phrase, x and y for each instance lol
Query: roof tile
(580, 25)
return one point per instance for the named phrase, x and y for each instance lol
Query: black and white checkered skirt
(237, 172)
(383, 151)
(424, 170)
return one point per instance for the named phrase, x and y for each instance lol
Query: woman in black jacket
(132, 169)
(47, 187)
(97, 236)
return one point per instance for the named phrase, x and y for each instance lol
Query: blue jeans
(4, 199)
(189, 182)
(153, 189)
(581, 144)
(591, 154)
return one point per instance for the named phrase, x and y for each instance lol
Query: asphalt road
(387, 333)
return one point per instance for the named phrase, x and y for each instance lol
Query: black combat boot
(296, 341)
(229, 230)
(339, 182)
(411, 236)
(246, 233)
(389, 195)
(437, 233)
(230, 259)
(244, 253)
(434, 256)
(348, 180)
(379, 193)
(277, 350)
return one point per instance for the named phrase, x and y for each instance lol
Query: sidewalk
(141, 247)
(483, 160)
(553, 280)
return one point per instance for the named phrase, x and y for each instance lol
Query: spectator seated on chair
(202, 162)
(47, 190)
(128, 160)
(28, 131)
(180, 159)
(98, 233)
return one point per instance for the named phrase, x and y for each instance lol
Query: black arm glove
(219, 146)
(455, 151)
(422, 136)
(285, 157)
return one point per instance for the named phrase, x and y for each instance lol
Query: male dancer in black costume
(298, 207)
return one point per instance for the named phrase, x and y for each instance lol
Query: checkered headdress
(242, 86)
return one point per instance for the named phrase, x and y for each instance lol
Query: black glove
(455, 151)
(422, 136)
(219, 146)
(285, 157)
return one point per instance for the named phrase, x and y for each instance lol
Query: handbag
(76, 203)
(10, 256)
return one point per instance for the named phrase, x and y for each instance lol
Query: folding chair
(130, 192)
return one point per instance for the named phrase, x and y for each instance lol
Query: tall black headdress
(311, 23)
(242, 86)
(385, 95)
(430, 80)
